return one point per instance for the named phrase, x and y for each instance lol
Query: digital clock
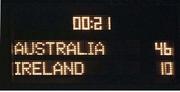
(91, 23)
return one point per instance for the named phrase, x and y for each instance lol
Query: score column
(165, 56)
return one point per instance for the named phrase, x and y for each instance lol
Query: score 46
(163, 48)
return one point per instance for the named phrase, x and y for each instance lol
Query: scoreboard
(99, 44)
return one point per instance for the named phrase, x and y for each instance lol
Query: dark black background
(130, 61)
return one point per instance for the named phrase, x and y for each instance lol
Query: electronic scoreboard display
(103, 44)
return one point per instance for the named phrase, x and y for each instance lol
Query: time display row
(91, 23)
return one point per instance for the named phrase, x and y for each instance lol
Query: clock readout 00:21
(91, 23)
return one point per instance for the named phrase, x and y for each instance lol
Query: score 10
(91, 23)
